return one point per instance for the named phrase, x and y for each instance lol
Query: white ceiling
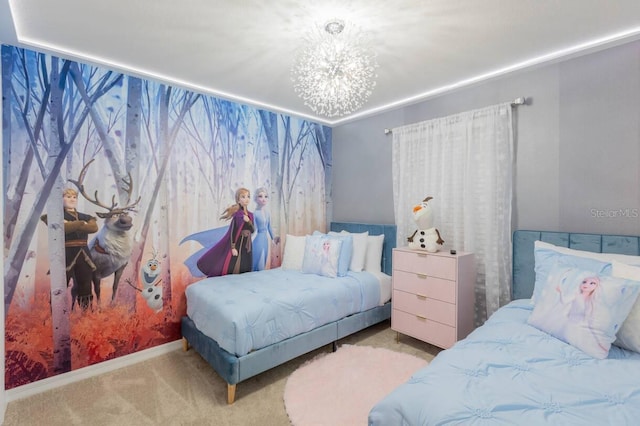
(242, 50)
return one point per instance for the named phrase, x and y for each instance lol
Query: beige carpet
(180, 388)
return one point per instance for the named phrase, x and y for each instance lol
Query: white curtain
(465, 162)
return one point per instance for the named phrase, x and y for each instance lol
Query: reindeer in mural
(111, 247)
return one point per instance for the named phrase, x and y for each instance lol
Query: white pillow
(293, 252)
(373, 259)
(629, 334)
(603, 257)
(359, 250)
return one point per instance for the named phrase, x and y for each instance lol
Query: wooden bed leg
(185, 344)
(334, 346)
(231, 393)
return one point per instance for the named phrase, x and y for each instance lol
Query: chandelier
(335, 72)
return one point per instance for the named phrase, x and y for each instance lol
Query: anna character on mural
(264, 233)
(233, 253)
(79, 265)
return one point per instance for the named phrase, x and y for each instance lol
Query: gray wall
(577, 146)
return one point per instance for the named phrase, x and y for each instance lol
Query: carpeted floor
(180, 388)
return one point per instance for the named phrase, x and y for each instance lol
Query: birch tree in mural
(132, 158)
(322, 140)
(7, 74)
(300, 150)
(163, 121)
(59, 299)
(217, 139)
(41, 104)
(270, 125)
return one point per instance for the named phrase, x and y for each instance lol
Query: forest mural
(150, 167)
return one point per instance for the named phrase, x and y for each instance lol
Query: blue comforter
(245, 312)
(509, 373)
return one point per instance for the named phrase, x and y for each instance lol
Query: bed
(513, 370)
(274, 341)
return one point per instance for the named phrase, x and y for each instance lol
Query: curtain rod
(514, 103)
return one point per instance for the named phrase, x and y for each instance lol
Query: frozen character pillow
(321, 255)
(583, 308)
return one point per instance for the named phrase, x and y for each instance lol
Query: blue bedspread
(509, 373)
(245, 312)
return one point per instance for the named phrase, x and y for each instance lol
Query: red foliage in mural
(97, 335)
(23, 368)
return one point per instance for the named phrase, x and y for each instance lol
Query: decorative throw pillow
(359, 250)
(548, 256)
(629, 334)
(293, 252)
(584, 308)
(321, 254)
(373, 259)
(345, 252)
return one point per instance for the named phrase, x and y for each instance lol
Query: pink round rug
(340, 388)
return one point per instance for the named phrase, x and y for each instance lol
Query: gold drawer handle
(421, 276)
(422, 254)
(421, 318)
(421, 297)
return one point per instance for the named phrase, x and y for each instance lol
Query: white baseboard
(90, 371)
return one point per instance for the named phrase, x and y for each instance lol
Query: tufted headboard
(389, 232)
(523, 260)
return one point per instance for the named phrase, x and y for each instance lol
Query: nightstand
(433, 295)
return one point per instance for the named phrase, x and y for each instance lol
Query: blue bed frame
(234, 369)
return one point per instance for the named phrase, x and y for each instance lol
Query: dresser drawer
(425, 285)
(423, 263)
(435, 310)
(424, 329)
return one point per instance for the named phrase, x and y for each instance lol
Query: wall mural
(113, 188)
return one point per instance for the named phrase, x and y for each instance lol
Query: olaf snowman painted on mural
(150, 277)
(426, 237)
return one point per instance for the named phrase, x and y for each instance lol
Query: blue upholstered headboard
(389, 232)
(523, 261)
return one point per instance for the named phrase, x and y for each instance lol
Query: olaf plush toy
(426, 237)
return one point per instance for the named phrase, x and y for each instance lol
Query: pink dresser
(433, 295)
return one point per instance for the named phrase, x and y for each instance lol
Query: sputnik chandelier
(335, 72)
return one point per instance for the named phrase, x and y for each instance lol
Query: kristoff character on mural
(264, 233)
(232, 254)
(79, 265)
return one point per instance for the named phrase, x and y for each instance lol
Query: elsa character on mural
(264, 233)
